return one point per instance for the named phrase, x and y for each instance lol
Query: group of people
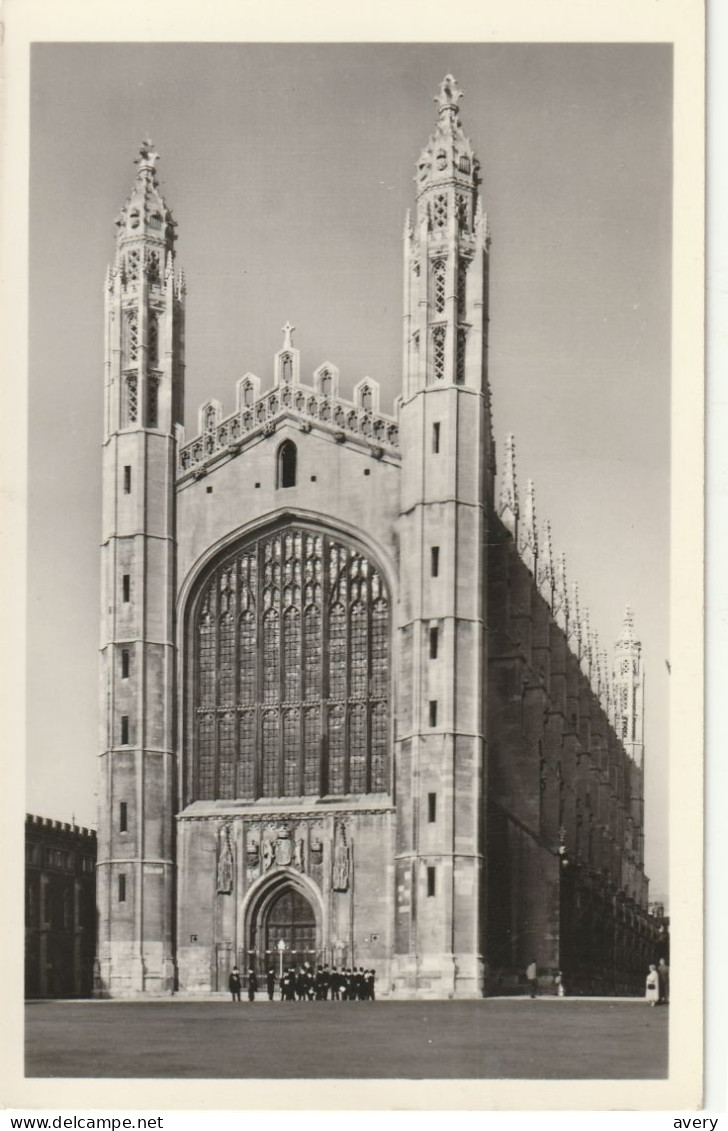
(303, 983)
(657, 986)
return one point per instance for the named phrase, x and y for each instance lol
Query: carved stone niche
(225, 861)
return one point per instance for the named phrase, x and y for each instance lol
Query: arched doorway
(286, 916)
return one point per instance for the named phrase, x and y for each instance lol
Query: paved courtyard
(491, 1039)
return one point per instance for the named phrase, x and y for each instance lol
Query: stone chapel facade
(351, 712)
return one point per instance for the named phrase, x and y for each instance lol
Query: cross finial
(449, 94)
(147, 156)
(287, 331)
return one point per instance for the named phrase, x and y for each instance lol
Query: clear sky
(289, 169)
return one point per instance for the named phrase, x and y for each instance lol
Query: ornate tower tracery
(447, 478)
(144, 373)
(629, 691)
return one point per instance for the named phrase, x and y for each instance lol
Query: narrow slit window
(123, 825)
(126, 588)
(430, 882)
(434, 561)
(122, 888)
(431, 808)
(287, 458)
(127, 479)
(433, 712)
(124, 730)
(434, 642)
(125, 663)
(436, 438)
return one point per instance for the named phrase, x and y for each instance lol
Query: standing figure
(270, 982)
(663, 973)
(252, 983)
(560, 988)
(652, 986)
(532, 977)
(234, 983)
(335, 984)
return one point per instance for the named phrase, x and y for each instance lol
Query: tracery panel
(290, 688)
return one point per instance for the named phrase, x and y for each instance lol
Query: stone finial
(147, 158)
(561, 594)
(287, 331)
(408, 229)
(508, 504)
(527, 533)
(546, 564)
(449, 94)
(575, 621)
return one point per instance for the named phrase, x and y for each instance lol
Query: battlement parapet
(358, 423)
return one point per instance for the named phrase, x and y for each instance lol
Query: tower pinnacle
(449, 95)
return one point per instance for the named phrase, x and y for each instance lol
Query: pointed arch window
(286, 464)
(293, 701)
(438, 352)
(438, 285)
(439, 211)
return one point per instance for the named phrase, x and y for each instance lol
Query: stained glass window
(312, 653)
(246, 755)
(291, 655)
(291, 752)
(311, 749)
(337, 748)
(270, 753)
(271, 656)
(226, 661)
(358, 748)
(247, 653)
(228, 744)
(303, 687)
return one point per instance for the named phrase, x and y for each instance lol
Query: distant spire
(575, 620)
(508, 505)
(627, 635)
(287, 331)
(561, 594)
(449, 95)
(586, 645)
(546, 564)
(527, 533)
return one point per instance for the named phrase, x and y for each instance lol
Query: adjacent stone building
(60, 908)
(352, 711)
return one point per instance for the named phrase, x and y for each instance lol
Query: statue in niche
(341, 860)
(299, 853)
(224, 862)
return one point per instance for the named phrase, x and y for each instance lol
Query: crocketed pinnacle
(508, 502)
(448, 154)
(627, 636)
(145, 214)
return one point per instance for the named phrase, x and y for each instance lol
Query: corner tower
(629, 691)
(447, 473)
(143, 404)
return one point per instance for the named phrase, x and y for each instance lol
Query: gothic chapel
(351, 712)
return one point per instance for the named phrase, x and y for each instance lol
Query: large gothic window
(290, 660)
